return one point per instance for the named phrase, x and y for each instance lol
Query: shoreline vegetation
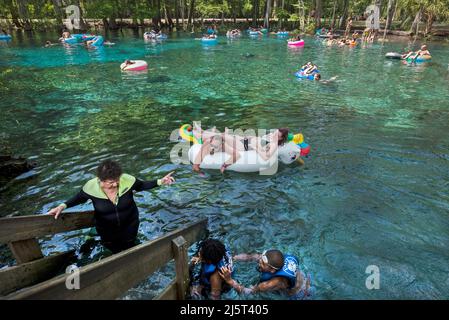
(409, 18)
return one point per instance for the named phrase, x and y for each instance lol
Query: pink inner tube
(299, 43)
(138, 65)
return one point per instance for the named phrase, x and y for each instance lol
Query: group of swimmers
(67, 35)
(212, 271)
(344, 41)
(369, 35)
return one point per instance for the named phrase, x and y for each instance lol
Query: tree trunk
(167, 16)
(191, 13)
(105, 23)
(318, 13)
(176, 14)
(388, 22)
(282, 7)
(415, 24)
(390, 13)
(333, 14)
(158, 13)
(58, 10)
(266, 23)
(344, 17)
(429, 23)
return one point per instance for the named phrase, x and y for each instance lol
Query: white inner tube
(249, 161)
(138, 65)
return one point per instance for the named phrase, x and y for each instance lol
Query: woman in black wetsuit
(116, 214)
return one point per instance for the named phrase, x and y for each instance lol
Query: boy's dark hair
(284, 132)
(275, 258)
(109, 170)
(212, 251)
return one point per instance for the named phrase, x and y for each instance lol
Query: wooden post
(179, 246)
(25, 250)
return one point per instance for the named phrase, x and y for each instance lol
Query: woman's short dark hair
(212, 251)
(109, 170)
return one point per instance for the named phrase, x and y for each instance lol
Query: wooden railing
(34, 275)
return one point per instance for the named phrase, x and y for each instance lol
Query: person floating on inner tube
(204, 270)
(309, 68)
(405, 56)
(297, 38)
(279, 273)
(66, 34)
(128, 63)
(422, 52)
(213, 141)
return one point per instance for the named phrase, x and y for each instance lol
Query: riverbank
(439, 31)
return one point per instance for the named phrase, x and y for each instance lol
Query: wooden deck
(35, 276)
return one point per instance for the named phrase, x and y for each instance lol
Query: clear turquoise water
(374, 190)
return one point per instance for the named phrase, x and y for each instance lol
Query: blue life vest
(288, 271)
(208, 269)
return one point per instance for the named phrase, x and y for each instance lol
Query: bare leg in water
(213, 142)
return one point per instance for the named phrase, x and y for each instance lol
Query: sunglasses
(265, 260)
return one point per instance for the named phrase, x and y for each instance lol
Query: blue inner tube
(207, 40)
(5, 37)
(282, 33)
(98, 41)
(254, 33)
(87, 37)
(210, 31)
(71, 40)
(418, 59)
(299, 74)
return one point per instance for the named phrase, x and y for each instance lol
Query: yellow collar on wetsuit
(92, 187)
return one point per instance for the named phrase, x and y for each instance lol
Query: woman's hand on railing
(56, 211)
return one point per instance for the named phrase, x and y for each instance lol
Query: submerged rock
(158, 79)
(11, 167)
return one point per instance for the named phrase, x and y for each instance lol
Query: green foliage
(212, 9)
(310, 27)
(282, 14)
(247, 7)
(433, 10)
